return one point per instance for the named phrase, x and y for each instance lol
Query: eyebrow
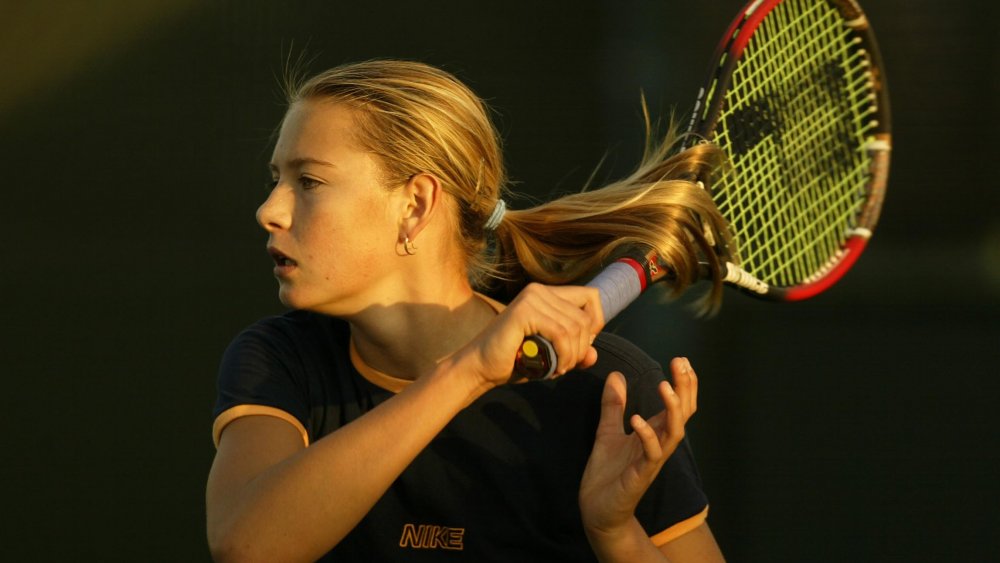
(299, 162)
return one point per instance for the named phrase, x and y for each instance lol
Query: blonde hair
(419, 119)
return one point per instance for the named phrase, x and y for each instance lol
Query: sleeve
(675, 502)
(258, 376)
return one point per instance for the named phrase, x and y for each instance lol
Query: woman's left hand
(622, 466)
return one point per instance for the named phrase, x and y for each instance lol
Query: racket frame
(708, 109)
(630, 276)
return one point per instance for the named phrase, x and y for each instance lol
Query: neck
(407, 339)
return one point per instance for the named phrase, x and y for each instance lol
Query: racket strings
(795, 207)
(801, 134)
(796, 116)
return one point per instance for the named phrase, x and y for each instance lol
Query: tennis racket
(797, 100)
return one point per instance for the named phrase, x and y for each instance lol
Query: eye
(308, 183)
(271, 184)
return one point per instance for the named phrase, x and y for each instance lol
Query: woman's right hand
(570, 317)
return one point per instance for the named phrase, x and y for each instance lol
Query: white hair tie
(498, 212)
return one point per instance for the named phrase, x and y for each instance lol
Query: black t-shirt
(500, 481)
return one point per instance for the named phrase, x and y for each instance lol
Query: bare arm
(270, 499)
(696, 546)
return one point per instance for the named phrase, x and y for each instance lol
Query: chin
(298, 301)
(290, 298)
(324, 300)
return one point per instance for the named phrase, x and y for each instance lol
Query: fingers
(650, 439)
(675, 416)
(568, 316)
(680, 402)
(661, 434)
(612, 404)
(685, 385)
(587, 299)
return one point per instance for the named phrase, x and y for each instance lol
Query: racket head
(798, 101)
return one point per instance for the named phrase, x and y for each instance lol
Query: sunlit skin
(335, 233)
(329, 214)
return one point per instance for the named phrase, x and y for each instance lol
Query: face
(333, 226)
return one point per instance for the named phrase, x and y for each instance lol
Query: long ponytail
(663, 206)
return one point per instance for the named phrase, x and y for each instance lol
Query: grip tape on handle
(619, 285)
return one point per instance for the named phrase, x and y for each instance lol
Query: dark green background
(134, 138)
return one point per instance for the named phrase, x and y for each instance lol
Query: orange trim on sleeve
(240, 411)
(679, 529)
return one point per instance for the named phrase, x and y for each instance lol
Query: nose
(276, 211)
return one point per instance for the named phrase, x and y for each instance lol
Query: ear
(422, 198)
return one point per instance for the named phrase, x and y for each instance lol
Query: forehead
(311, 127)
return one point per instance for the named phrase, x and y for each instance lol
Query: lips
(283, 264)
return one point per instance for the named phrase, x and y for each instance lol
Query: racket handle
(618, 285)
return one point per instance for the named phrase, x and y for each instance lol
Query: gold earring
(408, 246)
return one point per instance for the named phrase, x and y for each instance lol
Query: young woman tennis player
(379, 421)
